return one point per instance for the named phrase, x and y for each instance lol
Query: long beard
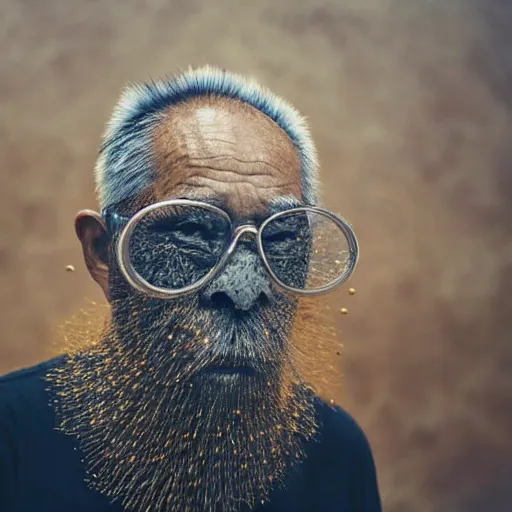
(159, 432)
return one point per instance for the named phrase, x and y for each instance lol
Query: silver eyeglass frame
(141, 285)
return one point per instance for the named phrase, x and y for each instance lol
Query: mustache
(183, 334)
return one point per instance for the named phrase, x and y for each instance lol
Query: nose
(243, 283)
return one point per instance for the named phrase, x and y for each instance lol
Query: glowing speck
(352, 291)
(344, 311)
(70, 268)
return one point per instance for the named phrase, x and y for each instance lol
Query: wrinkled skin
(211, 150)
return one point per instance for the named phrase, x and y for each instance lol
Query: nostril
(263, 299)
(221, 300)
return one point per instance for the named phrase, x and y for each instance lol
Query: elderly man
(194, 397)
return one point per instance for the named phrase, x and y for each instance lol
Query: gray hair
(125, 165)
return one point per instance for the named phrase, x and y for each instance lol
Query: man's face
(232, 155)
(198, 387)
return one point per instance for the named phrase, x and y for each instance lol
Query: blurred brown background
(411, 105)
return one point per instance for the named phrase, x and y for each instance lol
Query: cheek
(119, 288)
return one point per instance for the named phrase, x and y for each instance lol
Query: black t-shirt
(41, 468)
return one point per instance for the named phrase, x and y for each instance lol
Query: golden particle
(352, 291)
(235, 452)
(238, 411)
(344, 311)
(70, 268)
(331, 401)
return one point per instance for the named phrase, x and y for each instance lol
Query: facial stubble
(158, 433)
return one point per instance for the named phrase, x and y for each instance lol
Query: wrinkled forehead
(226, 152)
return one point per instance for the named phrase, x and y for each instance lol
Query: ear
(92, 233)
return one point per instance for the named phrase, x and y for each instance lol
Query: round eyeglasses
(176, 247)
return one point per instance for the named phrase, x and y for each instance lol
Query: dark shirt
(41, 468)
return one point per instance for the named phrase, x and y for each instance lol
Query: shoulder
(340, 429)
(24, 375)
(346, 453)
(25, 389)
(25, 411)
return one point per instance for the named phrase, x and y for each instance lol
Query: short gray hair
(125, 165)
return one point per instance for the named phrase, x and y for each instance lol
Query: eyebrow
(212, 200)
(276, 205)
(283, 203)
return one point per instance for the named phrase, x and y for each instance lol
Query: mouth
(223, 369)
(230, 366)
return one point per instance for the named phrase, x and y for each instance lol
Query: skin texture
(252, 428)
(208, 148)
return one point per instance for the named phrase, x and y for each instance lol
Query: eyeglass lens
(175, 246)
(305, 249)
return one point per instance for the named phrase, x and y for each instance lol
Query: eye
(281, 236)
(185, 228)
(191, 229)
(161, 226)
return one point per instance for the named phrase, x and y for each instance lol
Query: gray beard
(157, 434)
